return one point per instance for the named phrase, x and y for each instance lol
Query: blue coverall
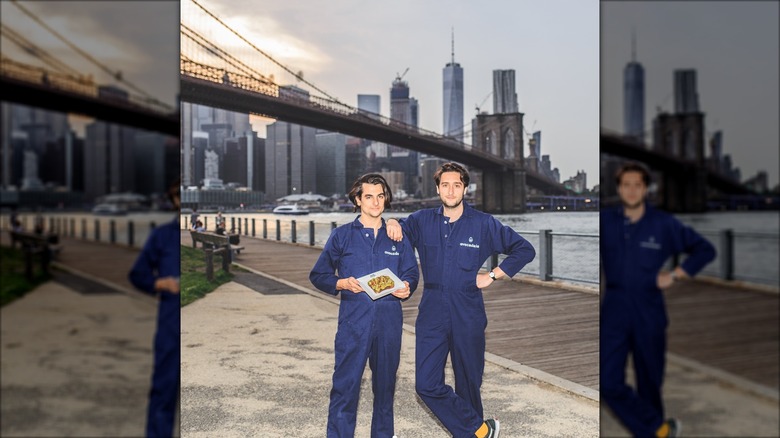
(633, 314)
(367, 330)
(159, 258)
(451, 318)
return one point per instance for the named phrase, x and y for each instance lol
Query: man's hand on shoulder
(394, 230)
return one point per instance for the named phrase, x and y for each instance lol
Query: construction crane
(478, 107)
(398, 77)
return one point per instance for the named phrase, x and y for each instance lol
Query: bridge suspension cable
(36, 51)
(220, 53)
(115, 74)
(298, 75)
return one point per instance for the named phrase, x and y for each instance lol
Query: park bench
(45, 245)
(214, 244)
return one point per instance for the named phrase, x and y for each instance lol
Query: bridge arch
(508, 149)
(491, 142)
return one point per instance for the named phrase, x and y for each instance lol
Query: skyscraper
(504, 95)
(370, 103)
(634, 97)
(291, 160)
(109, 159)
(453, 97)
(400, 105)
(218, 123)
(686, 99)
(404, 110)
(331, 163)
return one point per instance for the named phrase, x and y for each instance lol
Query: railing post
(278, 230)
(726, 254)
(293, 231)
(84, 229)
(311, 233)
(545, 255)
(493, 261)
(253, 227)
(97, 230)
(112, 231)
(265, 228)
(239, 226)
(332, 226)
(51, 225)
(246, 226)
(205, 223)
(232, 224)
(72, 227)
(130, 233)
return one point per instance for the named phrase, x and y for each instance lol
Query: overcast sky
(139, 38)
(350, 47)
(734, 48)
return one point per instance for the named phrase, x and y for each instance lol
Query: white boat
(109, 209)
(293, 209)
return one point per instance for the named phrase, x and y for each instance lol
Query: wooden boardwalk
(553, 330)
(735, 330)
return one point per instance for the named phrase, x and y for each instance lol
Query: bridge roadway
(619, 146)
(205, 90)
(26, 92)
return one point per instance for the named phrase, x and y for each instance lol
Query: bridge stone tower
(502, 190)
(681, 136)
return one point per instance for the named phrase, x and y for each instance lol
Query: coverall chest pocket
(356, 263)
(651, 260)
(468, 259)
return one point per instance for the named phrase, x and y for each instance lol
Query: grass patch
(194, 284)
(15, 284)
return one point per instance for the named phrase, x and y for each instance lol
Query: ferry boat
(109, 209)
(293, 209)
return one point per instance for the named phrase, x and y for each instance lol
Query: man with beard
(156, 272)
(636, 241)
(453, 242)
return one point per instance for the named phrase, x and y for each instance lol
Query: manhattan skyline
(733, 46)
(553, 47)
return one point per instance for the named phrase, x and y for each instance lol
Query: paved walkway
(260, 364)
(76, 352)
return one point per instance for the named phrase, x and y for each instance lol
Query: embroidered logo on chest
(392, 252)
(471, 243)
(650, 243)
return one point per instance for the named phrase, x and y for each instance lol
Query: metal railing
(114, 231)
(575, 255)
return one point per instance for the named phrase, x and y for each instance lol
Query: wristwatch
(492, 275)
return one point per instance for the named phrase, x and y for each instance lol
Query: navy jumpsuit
(633, 314)
(161, 258)
(367, 330)
(451, 318)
